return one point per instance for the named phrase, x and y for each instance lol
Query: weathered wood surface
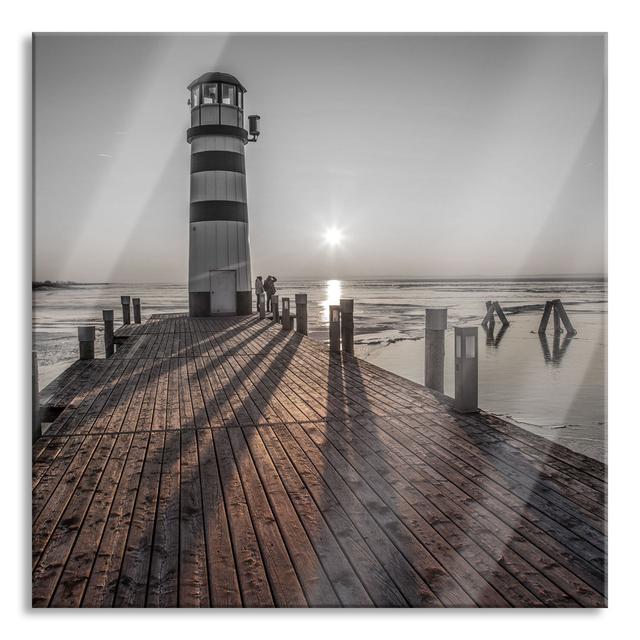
(225, 462)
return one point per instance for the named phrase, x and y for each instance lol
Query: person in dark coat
(270, 289)
(259, 290)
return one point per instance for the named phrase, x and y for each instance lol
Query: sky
(434, 155)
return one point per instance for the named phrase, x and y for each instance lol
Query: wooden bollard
(557, 324)
(262, 305)
(36, 425)
(346, 324)
(107, 317)
(126, 309)
(136, 310)
(334, 328)
(87, 339)
(275, 309)
(286, 315)
(301, 313)
(434, 327)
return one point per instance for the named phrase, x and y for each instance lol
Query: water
(556, 388)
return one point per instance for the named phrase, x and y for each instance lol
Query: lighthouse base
(200, 304)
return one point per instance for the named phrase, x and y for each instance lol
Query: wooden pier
(225, 462)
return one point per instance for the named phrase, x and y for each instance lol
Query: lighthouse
(219, 260)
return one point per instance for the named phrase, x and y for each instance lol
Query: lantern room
(217, 98)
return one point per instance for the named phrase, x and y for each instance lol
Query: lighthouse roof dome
(216, 76)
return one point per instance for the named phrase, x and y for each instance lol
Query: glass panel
(458, 347)
(470, 347)
(240, 99)
(209, 93)
(195, 97)
(228, 94)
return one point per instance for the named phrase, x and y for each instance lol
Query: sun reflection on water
(333, 295)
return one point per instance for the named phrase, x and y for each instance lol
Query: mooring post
(565, 318)
(557, 323)
(501, 314)
(488, 321)
(262, 305)
(334, 328)
(545, 316)
(36, 425)
(87, 338)
(126, 309)
(275, 309)
(301, 313)
(346, 324)
(286, 315)
(434, 327)
(107, 316)
(466, 373)
(136, 310)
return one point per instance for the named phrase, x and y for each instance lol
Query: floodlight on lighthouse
(254, 128)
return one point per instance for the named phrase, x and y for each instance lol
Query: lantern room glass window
(240, 99)
(195, 97)
(209, 93)
(228, 94)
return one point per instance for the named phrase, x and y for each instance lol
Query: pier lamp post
(466, 373)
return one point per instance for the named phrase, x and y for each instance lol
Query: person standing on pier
(259, 290)
(270, 289)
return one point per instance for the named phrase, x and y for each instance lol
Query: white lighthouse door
(222, 288)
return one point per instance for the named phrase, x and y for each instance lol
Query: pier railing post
(275, 309)
(136, 310)
(86, 339)
(301, 313)
(286, 315)
(466, 370)
(36, 425)
(346, 324)
(434, 327)
(107, 317)
(262, 305)
(126, 309)
(334, 328)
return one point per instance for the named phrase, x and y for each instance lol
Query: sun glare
(333, 236)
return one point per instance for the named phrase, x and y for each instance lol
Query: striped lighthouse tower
(219, 261)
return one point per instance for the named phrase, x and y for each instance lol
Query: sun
(333, 236)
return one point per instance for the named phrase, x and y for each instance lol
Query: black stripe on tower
(206, 210)
(217, 161)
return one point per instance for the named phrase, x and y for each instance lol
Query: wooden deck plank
(226, 462)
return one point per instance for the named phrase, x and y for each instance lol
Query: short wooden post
(565, 318)
(286, 315)
(434, 327)
(126, 309)
(262, 305)
(346, 324)
(545, 316)
(107, 316)
(275, 309)
(136, 310)
(334, 328)
(36, 425)
(301, 313)
(87, 338)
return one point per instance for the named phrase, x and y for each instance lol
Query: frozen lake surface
(555, 387)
